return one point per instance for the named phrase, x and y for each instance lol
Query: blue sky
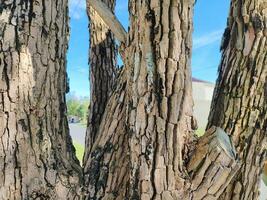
(209, 23)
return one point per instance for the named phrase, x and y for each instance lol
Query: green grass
(83, 124)
(79, 150)
(264, 178)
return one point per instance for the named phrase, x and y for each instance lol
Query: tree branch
(109, 18)
(213, 165)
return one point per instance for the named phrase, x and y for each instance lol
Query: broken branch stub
(213, 165)
(109, 18)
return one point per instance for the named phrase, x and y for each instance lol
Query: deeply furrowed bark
(144, 130)
(239, 103)
(146, 134)
(37, 159)
(143, 149)
(103, 71)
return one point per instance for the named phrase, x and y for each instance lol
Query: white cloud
(77, 8)
(207, 39)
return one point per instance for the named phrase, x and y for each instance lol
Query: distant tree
(81, 111)
(72, 107)
(79, 108)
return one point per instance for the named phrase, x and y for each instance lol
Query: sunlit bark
(145, 147)
(239, 103)
(37, 159)
(103, 71)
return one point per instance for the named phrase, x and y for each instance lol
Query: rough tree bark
(103, 71)
(239, 104)
(145, 147)
(37, 159)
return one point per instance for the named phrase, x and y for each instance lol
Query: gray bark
(37, 158)
(103, 72)
(145, 147)
(239, 103)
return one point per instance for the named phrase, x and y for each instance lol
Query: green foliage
(79, 151)
(78, 108)
(264, 178)
(200, 132)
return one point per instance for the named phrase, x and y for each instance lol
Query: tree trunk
(239, 103)
(145, 147)
(37, 159)
(103, 71)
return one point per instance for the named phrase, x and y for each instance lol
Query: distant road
(77, 133)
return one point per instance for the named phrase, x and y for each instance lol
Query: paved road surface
(77, 133)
